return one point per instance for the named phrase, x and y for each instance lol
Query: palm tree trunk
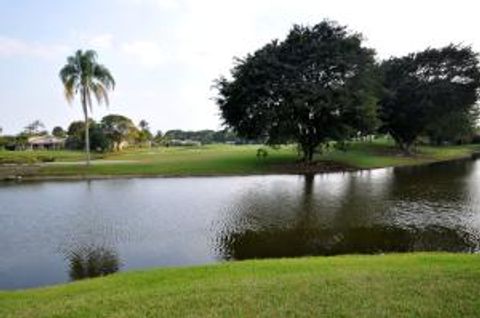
(87, 132)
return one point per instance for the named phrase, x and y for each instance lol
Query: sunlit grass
(398, 285)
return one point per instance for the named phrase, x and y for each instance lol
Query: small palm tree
(84, 76)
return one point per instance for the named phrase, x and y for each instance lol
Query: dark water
(54, 232)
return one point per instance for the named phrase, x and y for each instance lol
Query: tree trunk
(87, 133)
(308, 152)
(406, 148)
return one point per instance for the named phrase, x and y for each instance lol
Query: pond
(54, 232)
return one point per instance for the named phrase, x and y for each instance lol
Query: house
(46, 142)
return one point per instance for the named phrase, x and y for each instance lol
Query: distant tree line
(115, 132)
(112, 132)
(205, 136)
(321, 84)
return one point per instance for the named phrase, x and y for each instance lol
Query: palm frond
(82, 74)
(103, 75)
(70, 86)
(100, 92)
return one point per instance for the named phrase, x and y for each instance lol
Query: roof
(45, 140)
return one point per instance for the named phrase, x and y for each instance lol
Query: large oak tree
(424, 90)
(313, 87)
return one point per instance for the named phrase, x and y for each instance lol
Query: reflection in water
(373, 212)
(83, 229)
(91, 261)
(89, 245)
(302, 242)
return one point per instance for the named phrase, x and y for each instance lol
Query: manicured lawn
(383, 153)
(396, 285)
(40, 156)
(220, 160)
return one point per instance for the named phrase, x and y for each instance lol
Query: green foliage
(426, 89)
(204, 136)
(144, 135)
(97, 137)
(59, 132)
(99, 140)
(316, 85)
(76, 136)
(7, 142)
(118, 129)
(454, 128)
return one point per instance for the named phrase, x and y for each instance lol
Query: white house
(46, 142)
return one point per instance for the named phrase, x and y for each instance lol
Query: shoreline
(287, 169)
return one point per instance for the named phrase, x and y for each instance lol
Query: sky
(165, 54)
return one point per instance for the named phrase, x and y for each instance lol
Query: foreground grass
(223, 160)
(396, 285)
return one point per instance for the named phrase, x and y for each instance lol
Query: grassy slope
(397, 285)
(225, 160)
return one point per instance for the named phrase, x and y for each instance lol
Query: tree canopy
(315, 86)
(428, 90)
(58, 131)
(118, 129)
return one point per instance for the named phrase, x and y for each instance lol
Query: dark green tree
(315, 86)
(58, 132)
(119, 129)
(76, 136)
(453, 128)
(424, 88)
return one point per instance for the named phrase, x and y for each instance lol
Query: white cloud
(146, 53)
(12, 47)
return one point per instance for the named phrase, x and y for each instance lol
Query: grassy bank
(219, 160)
(398, 285)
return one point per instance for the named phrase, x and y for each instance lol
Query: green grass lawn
(383, 153)
(218, 160)
(394, 285)
(29, 157)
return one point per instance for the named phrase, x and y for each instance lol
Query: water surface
(53, 232)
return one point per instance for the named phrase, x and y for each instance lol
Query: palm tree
(84, 76)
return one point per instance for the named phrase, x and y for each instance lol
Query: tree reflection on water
(359, 216)
(92, 261)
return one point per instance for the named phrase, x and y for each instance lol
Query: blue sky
(165, 54)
